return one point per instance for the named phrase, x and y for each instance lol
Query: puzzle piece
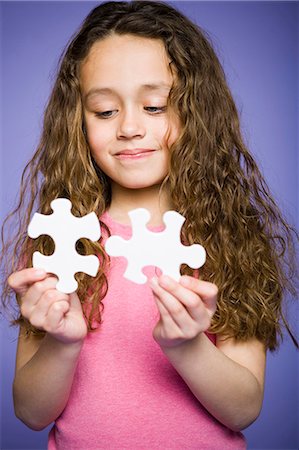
(147, 248)
(66, 230)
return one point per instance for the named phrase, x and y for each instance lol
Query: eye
(155, 109)
(105, 114)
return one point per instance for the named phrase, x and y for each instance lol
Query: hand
(186, 308)
(47, 309)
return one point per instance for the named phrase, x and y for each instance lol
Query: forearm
(42, 386)
(229, 391)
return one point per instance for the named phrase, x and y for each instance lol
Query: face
(125, 82)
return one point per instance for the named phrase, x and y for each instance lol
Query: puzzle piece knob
(65, 230)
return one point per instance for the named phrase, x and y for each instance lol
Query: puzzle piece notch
(65, 229)
(161, 249)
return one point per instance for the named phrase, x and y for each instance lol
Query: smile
(136, 153)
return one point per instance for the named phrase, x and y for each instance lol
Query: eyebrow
(144, 87)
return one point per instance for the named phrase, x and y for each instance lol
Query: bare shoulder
(250, 354)
(27, 347)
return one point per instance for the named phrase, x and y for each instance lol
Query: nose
(131, 125)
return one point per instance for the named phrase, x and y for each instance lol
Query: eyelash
(159, 110)
(102, 115)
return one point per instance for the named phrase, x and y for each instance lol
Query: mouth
(135, 153)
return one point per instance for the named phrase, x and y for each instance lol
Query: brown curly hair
(213, 180)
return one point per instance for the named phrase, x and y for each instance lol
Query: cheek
(97, 139)
(172, 132)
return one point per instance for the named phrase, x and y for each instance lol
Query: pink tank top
(125, 393)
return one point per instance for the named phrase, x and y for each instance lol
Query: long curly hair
(213, 180)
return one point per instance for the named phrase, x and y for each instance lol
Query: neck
(124, 200)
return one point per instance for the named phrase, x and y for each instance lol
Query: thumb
(21, 280)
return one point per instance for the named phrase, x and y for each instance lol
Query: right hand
(46, 308)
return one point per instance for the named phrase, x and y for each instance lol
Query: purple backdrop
(257, 42)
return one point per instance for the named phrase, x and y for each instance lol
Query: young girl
(141, 116)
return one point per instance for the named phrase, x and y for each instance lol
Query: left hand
(186, 308)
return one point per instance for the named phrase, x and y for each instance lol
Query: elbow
(245, 418)
(247, 412)
(26, 416)
(33, 425)
(240, 425)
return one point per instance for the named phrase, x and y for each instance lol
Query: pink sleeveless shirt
(125, 393)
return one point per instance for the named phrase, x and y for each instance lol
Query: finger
(191, 301)
(174, 307)
(20, 281)
(55, 316)
(39, 312)
(207, 291)
(164, 314)
(36, 290)
(34, 294)
(170, 328)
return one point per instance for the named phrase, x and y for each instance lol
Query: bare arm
(42, 385)
(228, 379)
(45, 366)
(230, 390)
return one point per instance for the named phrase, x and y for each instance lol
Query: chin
(142, 184)
(137, 186)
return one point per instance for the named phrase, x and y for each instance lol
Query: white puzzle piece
(66, 230)
(163, 249)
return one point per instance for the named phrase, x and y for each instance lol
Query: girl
(141, 115)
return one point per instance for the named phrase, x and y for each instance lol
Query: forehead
(126, 60)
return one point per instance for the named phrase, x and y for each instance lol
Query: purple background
(257, 42)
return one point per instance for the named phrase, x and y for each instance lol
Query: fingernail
(40, 272)
(166, 280)
(154, 282)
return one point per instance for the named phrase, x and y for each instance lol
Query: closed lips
(135, 152)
